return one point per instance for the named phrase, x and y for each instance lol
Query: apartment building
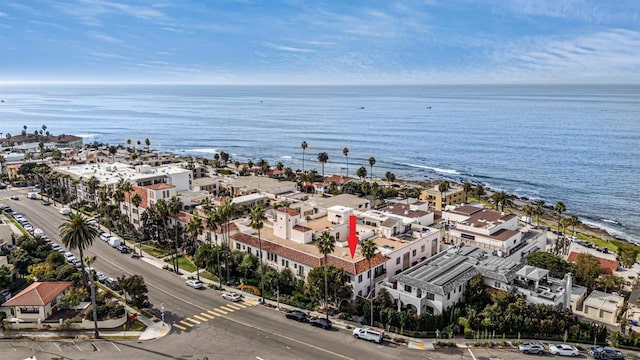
(438, 201)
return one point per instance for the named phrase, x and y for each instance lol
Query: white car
(563, 350)
(232, 296)
(65, 211)
(196, 284)
(101, 276)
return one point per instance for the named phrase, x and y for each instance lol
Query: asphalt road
(250, 332)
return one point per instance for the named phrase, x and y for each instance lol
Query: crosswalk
(197, 319)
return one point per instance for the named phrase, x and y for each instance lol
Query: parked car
(55, 247)
(77, 263)
(368, 333)
(297, 315)
(563, 350)
(101, 277)
(114, 241)
(15, 197)
(196, 284)
(64, 211)
(605, 353)
(321, 323)
(105, 237)
(531, 348)
(111, 283)
(232, 296)
(123, 249)
(46, 202)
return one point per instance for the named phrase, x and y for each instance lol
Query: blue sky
(320, 42)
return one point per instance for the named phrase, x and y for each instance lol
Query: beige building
(438, 201)
(602, 306)
(37, 302)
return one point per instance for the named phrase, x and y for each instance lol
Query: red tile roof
(338, 179)
(607, 266)
(292, 212)
(38, 294)
(310, 260)
(301, 228)
(142, 192)
(160, 186)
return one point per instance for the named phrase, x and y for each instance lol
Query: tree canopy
(338, 287)
(557, 266)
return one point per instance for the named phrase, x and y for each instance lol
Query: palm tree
(538, 207)
(226, 212)
(323, 157)
(77, 233)
(304, 147)
(92, 186)
(443, 187)
(573, 222)
(129, 144)
(559, 208)
(88, 261)
(257, 222)
(125, 187)
(372, 161)
(528, 210)
(147, 142)
(368, 250)
(136, 200)
(345, 152)
(391, 177)
(212, 223)
(326, 245)
(467, 187)
(173, 208)
(194, 228)
(499, 198)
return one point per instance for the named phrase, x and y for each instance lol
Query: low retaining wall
(61, 325)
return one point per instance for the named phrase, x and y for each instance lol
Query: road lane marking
(115, 346)
(95, 347)
(473, 356)
(186, 323)
(207, 315)
(199, 318)
(179, 327)
(193, 321)
(221, 312)
(235, 320)
(227, 309)
(74, 343)
(240, 305)
(212, 313)
(58, 346)
(235, 306)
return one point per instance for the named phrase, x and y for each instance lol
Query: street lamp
(162, 313)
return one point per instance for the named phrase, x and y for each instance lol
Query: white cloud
(107, 55)
(105, 38)
(288, 48)
(612, 54)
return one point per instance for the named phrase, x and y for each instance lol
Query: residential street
(218, 328)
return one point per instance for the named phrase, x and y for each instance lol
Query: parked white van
(65, 211)
(367, 333)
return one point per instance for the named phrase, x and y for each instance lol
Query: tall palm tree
(304, 147)
(345, 152)
(173, 208)
(391, 177)
(136, 200)
(92, 186)
(443, 187)
(226, 212)
(467, 187)
(538, 207)
(500, 198)
(125, 187)
(529, 210)
(147, 142)
(372, 161)
(361, 172)
(323, 157)
(213, 221)
(194, 228)
(257, 222)
(573, 222)
(326, 245)
(559, 208)
(368, 250)
(88, 261)
(77, 233)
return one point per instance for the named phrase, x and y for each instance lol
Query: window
(422, 248)
(430, 296)
(360, 278)
(29, 310)
(369, 274)
(449, 296)
(248, 249)
(407, 288)
(398, 260)
(301, 270)
(419, 293)
(414, 252)
(237, 246)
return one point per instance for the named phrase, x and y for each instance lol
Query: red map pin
(353, 238)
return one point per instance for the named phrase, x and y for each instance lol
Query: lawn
(208, 275)
(184, 264)
(155, 252)
(17, 224)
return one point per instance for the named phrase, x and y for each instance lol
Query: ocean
(579, 144)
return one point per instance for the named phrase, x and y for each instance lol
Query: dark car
(605, 353)
(321, 323)
(297, 315)
(123, 249)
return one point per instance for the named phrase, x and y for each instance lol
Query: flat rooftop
(111, 173)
